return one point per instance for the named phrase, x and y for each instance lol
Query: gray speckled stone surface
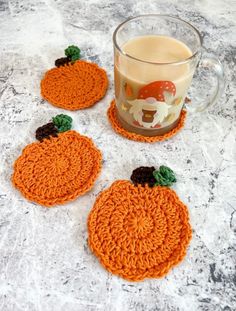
(45, 263)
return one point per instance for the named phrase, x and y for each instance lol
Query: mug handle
(214, 65)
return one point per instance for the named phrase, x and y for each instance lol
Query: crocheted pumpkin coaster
(111, 113)
(74, 85)
(59, 168)
(140, 230)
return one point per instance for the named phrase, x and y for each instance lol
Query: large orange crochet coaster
(138, 232)
(74, 86)
(111, 113)
(58, 169)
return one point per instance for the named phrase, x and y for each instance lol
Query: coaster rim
(152, 272)
(17, 182)
(115, 124)
(88, 102)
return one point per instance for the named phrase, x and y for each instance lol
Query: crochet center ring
(138, 232)
(58, 169)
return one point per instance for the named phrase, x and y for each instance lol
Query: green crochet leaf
(62, 122)
(73, 52)
(164, 176)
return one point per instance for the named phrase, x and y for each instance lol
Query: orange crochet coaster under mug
(140, 230)
(74, 86)
(117, 126)
(155, 58)
(60, 167)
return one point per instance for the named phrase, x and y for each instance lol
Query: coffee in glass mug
(155, 57)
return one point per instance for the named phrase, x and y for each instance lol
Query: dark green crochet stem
(62, 122)
(73, 52)
(164, 176)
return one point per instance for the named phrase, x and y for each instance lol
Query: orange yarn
(111, 113)
(74, 86)
(138, 232)
(57, 170)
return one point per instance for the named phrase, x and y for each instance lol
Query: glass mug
(149, 95)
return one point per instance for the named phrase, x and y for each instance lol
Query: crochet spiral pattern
(111, 113)
(74, 86)
(138, 232)
(58, 169)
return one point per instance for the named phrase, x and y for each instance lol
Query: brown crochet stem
(62, 61)
(46, 131)
(143, 175)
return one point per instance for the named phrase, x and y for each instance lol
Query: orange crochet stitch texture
(138, 232)
(57, 170)
(74, 86)
(111, 113)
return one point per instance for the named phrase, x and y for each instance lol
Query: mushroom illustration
(151, 107)
(156, 89)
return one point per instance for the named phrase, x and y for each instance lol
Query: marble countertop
(45, 263)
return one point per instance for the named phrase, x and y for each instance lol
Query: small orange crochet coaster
(111, 113)
(138, 232)
(57, 169)
(74, 86)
